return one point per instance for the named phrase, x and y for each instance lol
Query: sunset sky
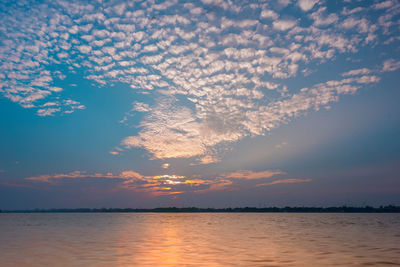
(207, 103)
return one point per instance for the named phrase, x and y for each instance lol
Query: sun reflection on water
(199, 239)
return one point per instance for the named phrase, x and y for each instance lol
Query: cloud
(390, 65)
(307, 5)
(354, 23)
(384, 4)
(72, 175)
(268, 14)
(131, 180)
(165, 165)
(284, 2)
(169, 132)
(322, 18)
(252, 175)
(283, 25)
(210, 76)
(281, 145)
(141, 107)
(85, 49)
(47, 111)
(167, 184)
(286, 181)
(362, 71)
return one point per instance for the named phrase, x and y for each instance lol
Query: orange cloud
(131, 180)
(165, 166)
(168, 184)
(197, 181)
(72, 175)
(130, 175)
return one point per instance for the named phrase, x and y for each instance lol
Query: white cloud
(50, 104)
(284, 2)
(384, 4)
(353, 23)
(357, 72)
(390, 65)
(47, 111)
(55, 89)
(283, 25)
(141, 107)
(62, 55)
(85, 49)
(307, 5)
(169, 132)
(268, 14)
(322, 19)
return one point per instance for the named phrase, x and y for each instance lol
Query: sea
(199, 239)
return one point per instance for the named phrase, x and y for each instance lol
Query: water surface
(199, 239)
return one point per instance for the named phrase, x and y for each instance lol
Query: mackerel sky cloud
(203, 76)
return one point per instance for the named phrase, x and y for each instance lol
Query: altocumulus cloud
(214, 76)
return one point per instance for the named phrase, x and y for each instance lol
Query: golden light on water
(199, 239)
(180, 239)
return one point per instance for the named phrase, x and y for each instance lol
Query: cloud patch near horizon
(286, 181)
(169, 184)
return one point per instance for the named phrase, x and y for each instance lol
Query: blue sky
(205, 103)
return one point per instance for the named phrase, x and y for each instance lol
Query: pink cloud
(252, 175)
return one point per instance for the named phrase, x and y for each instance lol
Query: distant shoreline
(343, 209)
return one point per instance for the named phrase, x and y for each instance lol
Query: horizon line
(303, 209)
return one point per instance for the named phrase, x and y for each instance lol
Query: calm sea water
(199, 239)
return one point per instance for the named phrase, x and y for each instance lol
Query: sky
(211, 103)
